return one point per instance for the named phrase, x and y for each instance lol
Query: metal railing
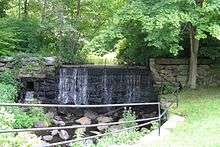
(150, 120)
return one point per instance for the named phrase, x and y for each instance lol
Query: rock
(150, 115)
(64, 134)
(54, 132)
(84, 121)
(40, 125)
(90, 114)
(115, 128)
(50, 61)
(59, 123)
(3, 68)
(58, 118)
(6, 59)
(47, 138)
(102, 128)
(2, 64)
(104, 119)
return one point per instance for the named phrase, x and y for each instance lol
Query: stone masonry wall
(176, 71)
(43, 81)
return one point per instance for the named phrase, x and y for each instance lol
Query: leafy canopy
(157, 26)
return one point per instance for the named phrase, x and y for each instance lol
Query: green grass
(201, 108)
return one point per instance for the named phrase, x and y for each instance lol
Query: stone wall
(42, 80)
(176, 71)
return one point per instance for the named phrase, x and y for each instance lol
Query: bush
(168, 88)
(8, 93)
(126, 137)
(20, 140)
(20, 117)
(6, 119)
(8, 77)
(129, 115)
(27, 119)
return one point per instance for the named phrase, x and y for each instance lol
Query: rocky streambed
(70, 117)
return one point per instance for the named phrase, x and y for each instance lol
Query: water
(96, 85)
(29, 96)
(73, 86)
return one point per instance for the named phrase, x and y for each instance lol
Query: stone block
(6, 59)
(2, 64)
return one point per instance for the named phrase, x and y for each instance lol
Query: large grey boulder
(64, 134)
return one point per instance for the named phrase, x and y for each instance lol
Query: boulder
(50, 61)
(58, 118)
(2, 64)
(41, 125)
(54, 132)
(90, 114)
(84, 121)
(102, 128)
(47, 138)
(115, 128)
(104, 119)
(59, 123)
(64, 134)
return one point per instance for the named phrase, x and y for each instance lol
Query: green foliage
(168, 88)
(127, 137)
(8, 77)
(4, 5)
(28, 64)
(8, 93)
(8, 39)
(129, 115)
(80, 133)
(143, 29)
(20, 140)
(6, 119)
(28, 118)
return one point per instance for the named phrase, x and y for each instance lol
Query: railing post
(159, 116)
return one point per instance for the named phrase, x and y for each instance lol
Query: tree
(199, 17)
(4, 5)
(164, 22)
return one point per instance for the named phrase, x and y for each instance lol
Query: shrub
(126, 137)
(8, 77)
(129, 115)
(6, 119)
(27, 119)
(20, 140)
(167, 88)
(8, 93)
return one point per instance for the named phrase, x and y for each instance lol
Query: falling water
(73, 86)
(86, 85)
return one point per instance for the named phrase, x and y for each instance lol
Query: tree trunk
(194, 47)
(43, 16)
(78, 9)
(25, 9)
(19, 9)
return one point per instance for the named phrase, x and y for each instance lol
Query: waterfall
(73, 86)
(86, 85)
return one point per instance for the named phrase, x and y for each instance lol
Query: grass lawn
(201, 108)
